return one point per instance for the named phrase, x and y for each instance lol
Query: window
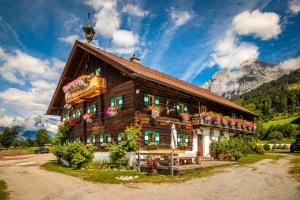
(203, 108)
(181, 107)
(151, 137)
(151, 100)
(76, 114)
(105, 138)
(118, 102)
(182, 139)
(92, 109)
(96, 72)
(91, 139)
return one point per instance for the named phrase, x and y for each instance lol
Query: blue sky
(190, 40)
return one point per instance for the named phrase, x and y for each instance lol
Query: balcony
(223, 123)
(84, 88)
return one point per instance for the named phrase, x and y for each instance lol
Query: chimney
(135, 59)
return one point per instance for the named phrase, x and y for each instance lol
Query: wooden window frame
(203, 108)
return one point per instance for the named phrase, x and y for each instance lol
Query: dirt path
(263, 180)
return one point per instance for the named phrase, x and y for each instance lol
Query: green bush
(267, 147)
(260, 149)
(61, 134)
(117, 152)
(275, 146)
(74, 153)
(275, 135)
(234, 147)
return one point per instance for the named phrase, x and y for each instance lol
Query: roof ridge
(189, 87)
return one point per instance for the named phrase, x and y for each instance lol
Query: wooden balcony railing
(95, 87)
(198, 120)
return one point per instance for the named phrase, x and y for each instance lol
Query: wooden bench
(185, 160)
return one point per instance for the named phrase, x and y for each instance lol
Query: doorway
(200, 145)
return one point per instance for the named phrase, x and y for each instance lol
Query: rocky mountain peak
(249, 75)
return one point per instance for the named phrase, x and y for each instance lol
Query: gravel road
(263, 180)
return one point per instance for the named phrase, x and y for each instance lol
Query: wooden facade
(132, 87)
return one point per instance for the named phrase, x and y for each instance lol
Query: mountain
(276, 97)
(248, 76)
(28, 127)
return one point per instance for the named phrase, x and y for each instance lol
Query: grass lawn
(279, 121)
(109, 175)
(4, 195)
(17, 151)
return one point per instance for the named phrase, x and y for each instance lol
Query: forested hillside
(281, 96)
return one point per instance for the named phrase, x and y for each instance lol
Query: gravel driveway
(263, 180)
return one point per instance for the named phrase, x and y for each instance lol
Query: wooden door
(200, 145)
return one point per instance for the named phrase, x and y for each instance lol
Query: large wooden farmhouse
(101, 94)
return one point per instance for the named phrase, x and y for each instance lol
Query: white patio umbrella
(173, 145)
(173, 137)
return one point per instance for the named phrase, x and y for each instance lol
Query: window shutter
(146, 137)
(78, 114)
(120, 137)
(94, 109)
(73, 114)
(94, 139)
(156, 138)
(186, 139)
(88, 109)
(120, 101)
(178, 108)
(88, 140)
(185, 108)
(179, 139)
(101, 138)
(156, 101)
(146, 99)
(112, 102)
(108, 138)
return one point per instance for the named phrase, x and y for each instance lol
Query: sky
(188, 39)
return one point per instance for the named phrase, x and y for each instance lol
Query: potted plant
(155, 111)
(225, 121)
(112, 111)
(182, 146)
(216, 119)
(206, 117)
(88, 117)
(231, 122)
(73, 121)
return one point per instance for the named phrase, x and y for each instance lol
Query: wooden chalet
(103, 94)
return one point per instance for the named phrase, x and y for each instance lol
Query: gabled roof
(137, 70)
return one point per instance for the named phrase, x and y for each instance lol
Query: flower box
(84, 87)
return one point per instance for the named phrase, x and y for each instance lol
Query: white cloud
(135, 10)
(107, 17)
(230, 52)
(180, 17)
(124, 38)
(108, 25)
(290, 64)
(69, 39)
(294, 6)
(29, 102)
(265, 25)
(8, 121)
(18, 66)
